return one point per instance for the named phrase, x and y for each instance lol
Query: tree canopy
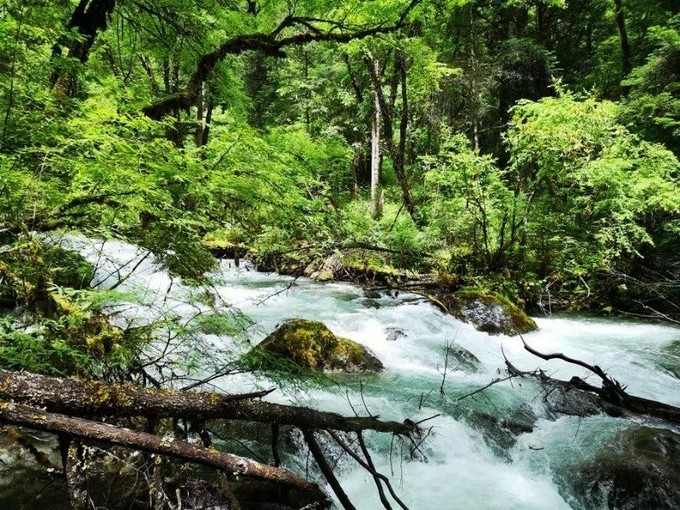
(514, 146)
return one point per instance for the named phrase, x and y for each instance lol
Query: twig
(326, 470)
(479, 390)
(368, 468)
(558, 355)
(428, 419)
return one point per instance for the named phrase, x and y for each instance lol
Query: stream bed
(461, 464)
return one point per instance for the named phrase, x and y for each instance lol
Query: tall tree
(88, 19)
(626, 59)
(396, 147)
(376, 211)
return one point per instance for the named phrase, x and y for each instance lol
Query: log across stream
(466, 461)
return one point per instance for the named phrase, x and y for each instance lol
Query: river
(461, 464)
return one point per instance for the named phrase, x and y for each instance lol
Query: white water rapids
(461, 469)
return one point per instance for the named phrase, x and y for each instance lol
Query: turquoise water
(462, 464)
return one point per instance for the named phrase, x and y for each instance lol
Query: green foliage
(516, 181)
(34, 351)
(594, 194)
(284, 372)
(652, 107)
(216, 324)
(469, 204)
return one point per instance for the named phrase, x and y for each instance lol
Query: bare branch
(270, 45)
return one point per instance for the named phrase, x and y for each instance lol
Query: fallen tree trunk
(103, 433)
(612, 393)
(99, 399)
(631, 403)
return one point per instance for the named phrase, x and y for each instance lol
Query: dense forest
(525, 149)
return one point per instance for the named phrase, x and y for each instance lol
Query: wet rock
(371, 303)
(639, 470)
(328, 269)
(488, 312)
(24, 482)
(501, 433)
(521, 420)
(394, 334)
(671, 359)
(256, 495)
(566, 400)
(310, 344)
(372, 294)
(462, 359)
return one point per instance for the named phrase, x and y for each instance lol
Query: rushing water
(458, 466)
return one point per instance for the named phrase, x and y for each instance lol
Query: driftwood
(611, 392)
(70, 409)
(98, 399)
(104, 433)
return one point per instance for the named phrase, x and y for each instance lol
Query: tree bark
(104, 433)
(98, 399)
(397, 150)
(627, 65)
(268, 43)
(376, 211)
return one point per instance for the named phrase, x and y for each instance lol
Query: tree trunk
(89, 18)
(208, 120)
(376, 211)
(98, 399)
(104, 433)
(397, 150)
(627, 65)
(611, 391)
(200, 121)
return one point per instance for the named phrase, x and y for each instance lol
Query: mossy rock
(222, 248)
(489, 312)
(639, 470)
(326, 271)
(311, 345)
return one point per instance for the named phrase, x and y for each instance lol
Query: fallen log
(111, 435)
(618, 400)
(99, 399)
(631, 403)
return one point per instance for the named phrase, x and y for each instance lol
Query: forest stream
(434, 169)
(464, 462)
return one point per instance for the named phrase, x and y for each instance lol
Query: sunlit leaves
(592, 179)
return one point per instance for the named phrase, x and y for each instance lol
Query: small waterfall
(460, 465)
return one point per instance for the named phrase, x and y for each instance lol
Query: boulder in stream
(500, 434)
(639, 470)
(489, 312)
(325, 271)
(671, 358)
(462, 359)
(393, 334)
(310, 344)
